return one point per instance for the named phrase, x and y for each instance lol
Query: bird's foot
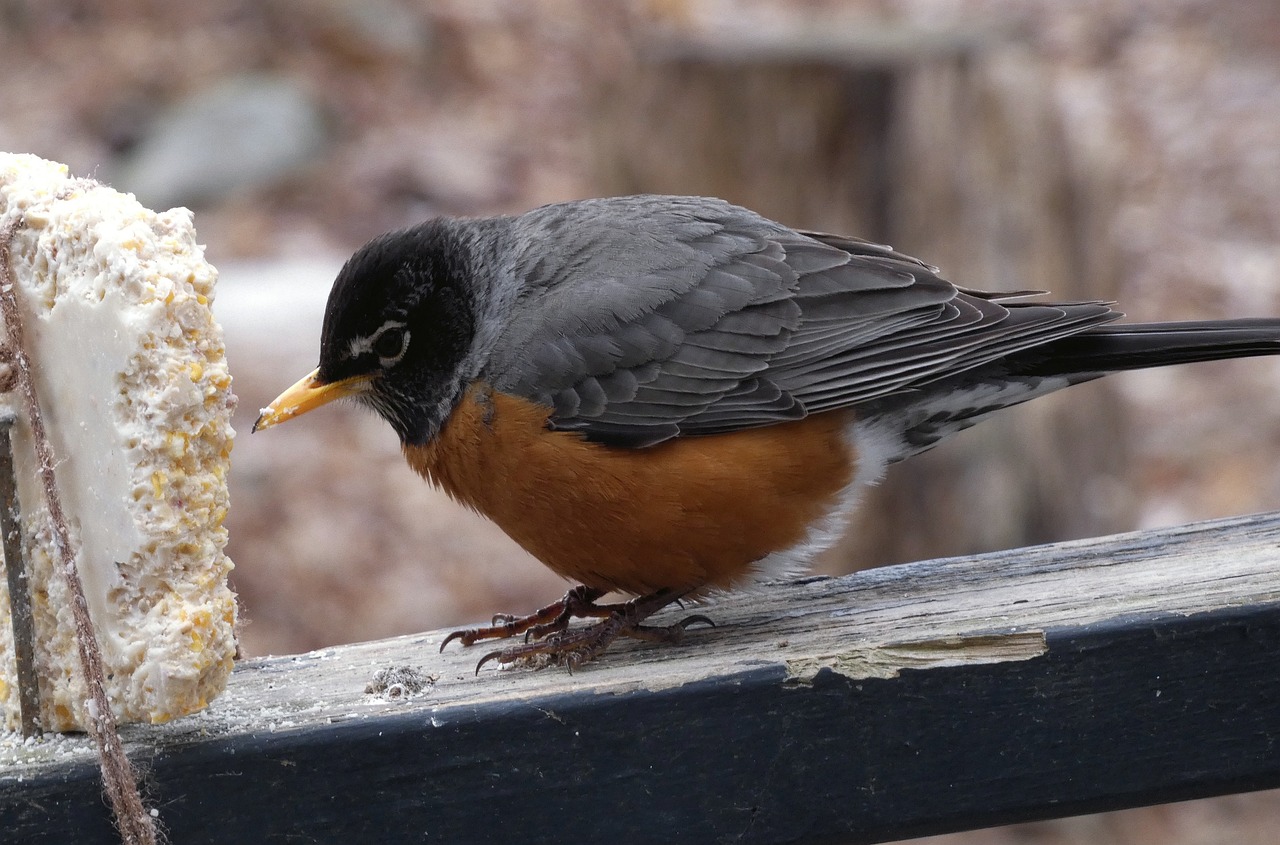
(571, 649)
(577, 603)
(549, 642)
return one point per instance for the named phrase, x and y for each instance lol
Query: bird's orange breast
(689, 513)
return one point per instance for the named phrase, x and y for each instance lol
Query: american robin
(666, 396)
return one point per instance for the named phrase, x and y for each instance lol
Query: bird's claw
(548, 640)
(467, 636)
(493, 655)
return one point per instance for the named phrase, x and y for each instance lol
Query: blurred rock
(245, 133)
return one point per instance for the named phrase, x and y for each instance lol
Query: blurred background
(1099, 149)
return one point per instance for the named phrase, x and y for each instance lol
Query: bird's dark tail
(1112, 348)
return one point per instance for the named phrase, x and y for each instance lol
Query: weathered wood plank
(936, 696)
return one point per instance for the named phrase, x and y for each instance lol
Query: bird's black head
(400, 319)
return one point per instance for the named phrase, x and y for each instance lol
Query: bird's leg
(578, 602)
(581, 610)
(574, 648)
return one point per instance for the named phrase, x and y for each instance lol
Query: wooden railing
(938, 696)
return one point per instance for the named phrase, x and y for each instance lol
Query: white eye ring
(364, 345)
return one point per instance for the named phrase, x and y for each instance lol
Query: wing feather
(644, 318)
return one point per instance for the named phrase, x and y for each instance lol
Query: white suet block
(136, 395)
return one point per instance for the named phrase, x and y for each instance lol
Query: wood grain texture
(916, 699)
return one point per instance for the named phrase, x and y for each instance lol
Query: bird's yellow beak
(308, 394)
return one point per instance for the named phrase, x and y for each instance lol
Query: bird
(669, 397)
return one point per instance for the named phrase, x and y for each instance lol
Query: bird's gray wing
(640, 319)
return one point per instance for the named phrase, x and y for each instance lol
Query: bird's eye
(390, 344)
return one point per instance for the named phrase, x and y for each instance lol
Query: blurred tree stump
(947, 146)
